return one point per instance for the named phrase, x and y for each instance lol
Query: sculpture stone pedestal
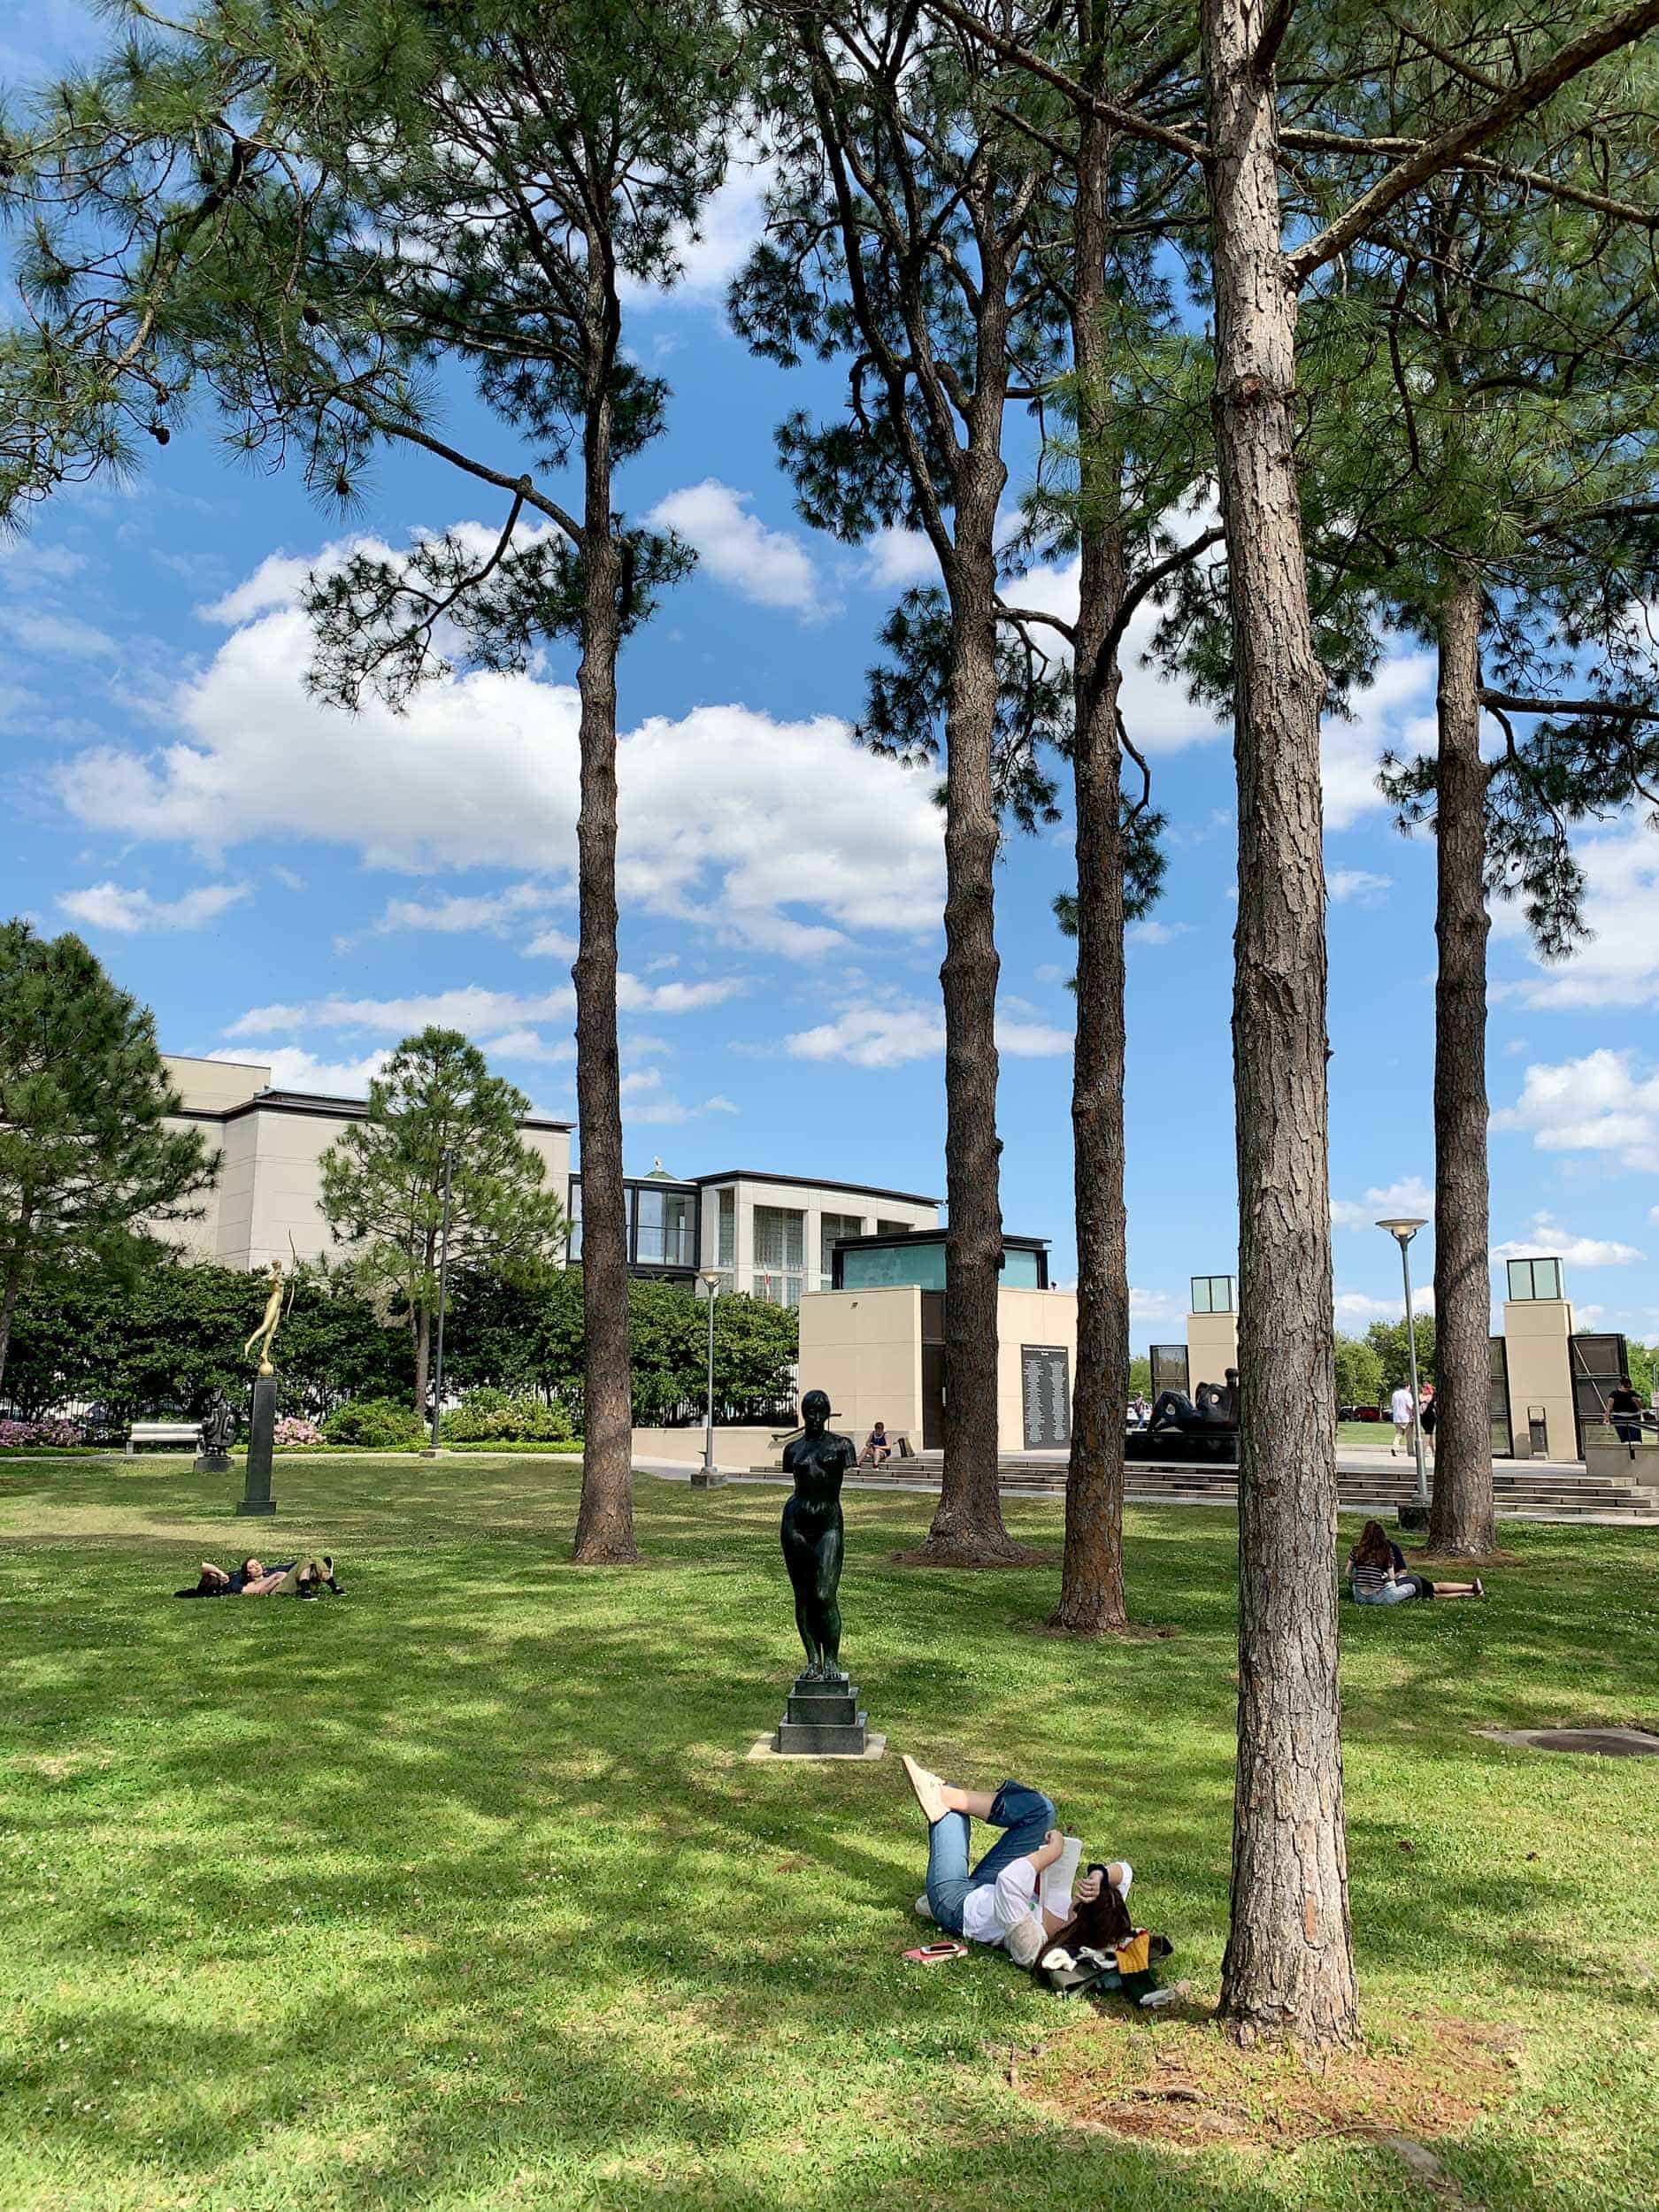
(212, 1463)
(255, 1496)
(822, 1717)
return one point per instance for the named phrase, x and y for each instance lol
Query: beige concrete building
(1537, 1359)
(876, 1343)
(270, 1144)
(770, 1235)
(1212, 1329)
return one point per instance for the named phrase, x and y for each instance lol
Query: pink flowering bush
(293, 1429)
(54, 1434)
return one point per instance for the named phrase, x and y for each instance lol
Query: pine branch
(1527, 94)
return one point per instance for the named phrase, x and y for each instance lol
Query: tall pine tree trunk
(968, 1525)
(1288, 1967)
(1091, 1573)
(605, 1520)
(1461, 1518)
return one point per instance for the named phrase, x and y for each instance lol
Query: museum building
(771, 1235)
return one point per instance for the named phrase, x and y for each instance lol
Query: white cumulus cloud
(1362, 885)
(1619, 963)
(1411, 1195)
(482, 773)
(768, 566)
(886, 1033)
(1549, 1240)
(294, 1069)
(1605, 1102)
(108, 906)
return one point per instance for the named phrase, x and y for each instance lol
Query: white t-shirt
(1401, 1406)
(992, 1908)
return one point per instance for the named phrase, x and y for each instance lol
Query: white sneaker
(924, 1910)
(930, 1791)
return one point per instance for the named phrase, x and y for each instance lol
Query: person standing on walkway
(1624, 1409)
(1402, 1410)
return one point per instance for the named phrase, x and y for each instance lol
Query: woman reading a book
(1021, 1891)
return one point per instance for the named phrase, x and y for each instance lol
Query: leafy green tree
(529, 1338)
(1388, 1340)
(1359, 1371)
(1140, 1375)
(88, 1163)
(436, 1112)
(164, 1336)
(308, 206)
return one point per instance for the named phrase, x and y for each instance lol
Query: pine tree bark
(1288, 1967)
(1461, 1516)
(1092, 1571)
(604, 1519)
(968, 1526)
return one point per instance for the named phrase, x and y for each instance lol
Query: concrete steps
(1520, 1495)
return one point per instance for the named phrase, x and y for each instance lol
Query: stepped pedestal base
(822, 1717)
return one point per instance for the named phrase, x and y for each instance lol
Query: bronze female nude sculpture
(813, 1533)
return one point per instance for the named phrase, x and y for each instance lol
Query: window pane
(726, 1253)
(832, 1229)
(1546, 1278)
(1200, 1293)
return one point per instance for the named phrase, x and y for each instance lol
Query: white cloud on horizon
(1549, 1240)
(294, 1069)
(128, 913)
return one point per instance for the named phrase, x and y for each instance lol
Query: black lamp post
(443, 1293)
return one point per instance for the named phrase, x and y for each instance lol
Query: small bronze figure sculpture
(813, 1534)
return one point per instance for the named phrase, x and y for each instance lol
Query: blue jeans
(1390, 1593)
(1024, 1817)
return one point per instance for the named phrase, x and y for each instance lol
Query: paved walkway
(1348, 1462)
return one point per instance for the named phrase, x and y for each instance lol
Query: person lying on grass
(285, 1577)
(1378, 1573)
(1019, 1894)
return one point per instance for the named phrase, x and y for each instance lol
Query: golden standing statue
(271, 1321)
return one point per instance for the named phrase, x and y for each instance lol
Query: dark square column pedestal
(256, 1498)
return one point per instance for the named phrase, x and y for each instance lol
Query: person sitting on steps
(1019, 1894)
(877, 1447)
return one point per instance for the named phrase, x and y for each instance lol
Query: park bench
(163, 1432)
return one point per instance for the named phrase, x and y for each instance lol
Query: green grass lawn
(460, 1893)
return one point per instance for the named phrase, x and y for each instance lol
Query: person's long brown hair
(1103, 1923)
(1374, 1549)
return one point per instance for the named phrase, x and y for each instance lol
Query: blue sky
(283, 883)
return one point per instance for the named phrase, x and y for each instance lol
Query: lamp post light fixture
(431, 1451)
(707, 1477)
(1403, 1229)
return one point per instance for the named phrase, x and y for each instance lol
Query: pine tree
(897, 238)
(436, 1114)
(307, 210)
(87, 1164)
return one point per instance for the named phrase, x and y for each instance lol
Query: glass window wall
(1535, 1279)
